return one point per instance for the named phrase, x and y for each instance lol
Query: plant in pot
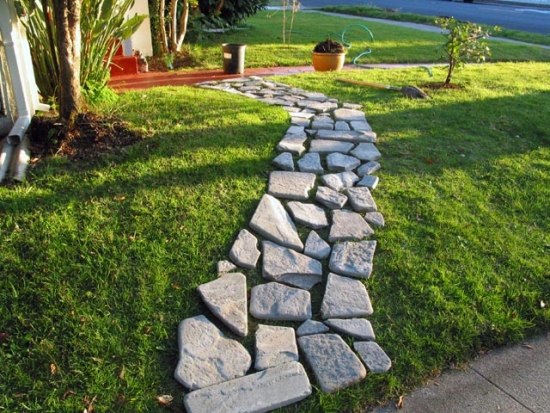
(328, 55)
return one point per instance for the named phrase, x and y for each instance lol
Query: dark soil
(91, 137)
(181, 60)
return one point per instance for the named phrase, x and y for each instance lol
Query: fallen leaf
(89, 404)
(542, 304)
(53, 369)
(165, 399)
(527, 346)
(67, 394)
(122, 373)
(399, 404)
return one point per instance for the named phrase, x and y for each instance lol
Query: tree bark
(162, 27)
(184, 18)
(173, 26)
(67, 17)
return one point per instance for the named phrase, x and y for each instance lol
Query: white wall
(141, 39)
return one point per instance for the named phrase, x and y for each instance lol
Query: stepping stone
(376, 359)
(315, 96)
(225, 266)
(361, 199)
(320, 107)
(370, 181)
(226, 299)
(310, 215)
(310, 327)
(271, 221)
(339, 162)
(330, 198)
(351, 106)
(300, 121)
(290, 267)
(334, 364)
(206, 356)
(344, 136)
(244, 251)
(277, 302)
(324, 123)
(292, 109)
(353, 258)
(349, 115)
(348, 226)
(356, 327)
(360, 125)
(366, 152)
(341, 126)
(328, 146)
(345, 298)
(376, 219)
(284, 161)
(311, 162)
(296, 130)
(293, 144)
(368, 169)
(316, 247)
(291, 185)
(259, 392)
(303, 115)
(340, 181)
(275, 346)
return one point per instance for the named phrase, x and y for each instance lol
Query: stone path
(322, 189)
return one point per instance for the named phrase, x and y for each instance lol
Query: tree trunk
(173, 25)
(162, 27)
(184, 18)
(67, 18)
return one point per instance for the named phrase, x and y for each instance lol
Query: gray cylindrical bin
(233, 58)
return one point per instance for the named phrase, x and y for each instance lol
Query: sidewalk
(508, 380)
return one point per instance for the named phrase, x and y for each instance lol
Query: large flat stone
(275, 346)
(225, 266)
(360, 125)
(272, 222)
(334, 364)
(206, 356)
(310, 162)
(330, 198)
(376, 359)
(340, 162)
(310, 215)
(326, 146)
(340, 181)
(316, 247)
(348, 226)
(376, 219)
(284, 161)
(277, 302)
(370, 181)
(291, 185)
(260, 392)
(368, 169)
(296, 130)
(359, 328)
(244, 251)
(345, 298)
(310, 327)
(226, 299)
(353, 258)
(346, 136)
(349, 115)
(361, 199)
(290, 267)
(366, 152)
(293, 144)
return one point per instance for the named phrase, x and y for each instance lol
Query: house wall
(141, 39)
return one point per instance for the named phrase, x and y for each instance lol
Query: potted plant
(329, 55)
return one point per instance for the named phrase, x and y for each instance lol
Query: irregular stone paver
(300, 121)
(376, 219)
(284, 161)
(340, 181)
(368, 169)
(244, 251)
(296, 130)
(310, 327)
(346, 136)
(225, 266)
(330, 198)
(348, 226)
(356, 327)
(366, 152)
(341, 125)
(260, 392)
(376, 359)
(310, 215)
(207, 357)
(277, 302)
(326, 146)
(275, 346)
(361, 199)
(360, 125)
(340, 162)
(226, 298)
(303, 115)
(348, 105)
(291, 185)
(353, 258)
(311, 162)
(345, 298)
(290, 267)
(349, 115)
(293, 144)
(316, 247)
(272, 222)
(370, 181)
(334, 364)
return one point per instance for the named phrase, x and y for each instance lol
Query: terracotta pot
(325, 62)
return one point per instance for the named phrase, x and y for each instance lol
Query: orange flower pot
(327, 62)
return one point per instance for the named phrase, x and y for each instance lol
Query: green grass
(392, 44)
(100, 261)
(390, 14)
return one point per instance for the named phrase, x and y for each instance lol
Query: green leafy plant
(103, 26)
(464, 43)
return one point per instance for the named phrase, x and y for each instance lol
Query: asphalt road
(527, 17)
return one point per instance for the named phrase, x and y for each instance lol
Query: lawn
(263, 35)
